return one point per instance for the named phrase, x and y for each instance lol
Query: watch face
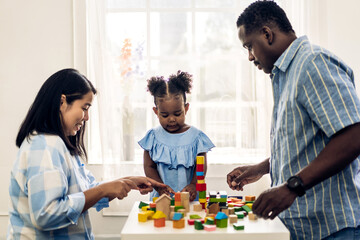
(293, 182)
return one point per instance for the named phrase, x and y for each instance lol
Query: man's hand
(243, 175)
(273, 201)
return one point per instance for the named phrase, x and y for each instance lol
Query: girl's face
(171, 112)
(75, 114)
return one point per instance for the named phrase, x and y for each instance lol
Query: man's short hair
(262, 13)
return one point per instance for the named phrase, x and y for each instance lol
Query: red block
(200, 167)
(200, 177)
(201, 187)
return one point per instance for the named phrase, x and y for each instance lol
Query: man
(315, 143)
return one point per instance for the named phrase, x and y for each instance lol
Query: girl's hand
(191, 188)
(145, 184)
(166, 189)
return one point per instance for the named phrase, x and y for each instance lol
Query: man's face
(258, 47)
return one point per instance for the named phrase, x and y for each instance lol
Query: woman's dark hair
(44, 114)
(261, 13)
(179, 83)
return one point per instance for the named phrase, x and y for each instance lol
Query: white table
(254, 230)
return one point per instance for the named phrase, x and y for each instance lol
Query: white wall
(36, 39)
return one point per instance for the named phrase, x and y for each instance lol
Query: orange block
(179, 223)
(159, 222)
(249, 198)
(178, 197)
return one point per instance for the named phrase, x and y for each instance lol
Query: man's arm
(342, 149)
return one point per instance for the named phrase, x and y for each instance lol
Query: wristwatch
(295, 184)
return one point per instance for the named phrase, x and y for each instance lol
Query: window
(130, 41)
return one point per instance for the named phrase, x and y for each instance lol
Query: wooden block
(198, 225)
(197, 207)
(238, 226)
(231, 210)
(210, 228)
(201, 181)
(200, 159)
(226, 211)
(214, 208)
(191, 221)
(252, 216)
(179, 223)
(159, 222)
(221, 223)
(199, 167)
(182, 211)
(250, 198)
(249, 205)
(233, 218)
(142, 217)
(178, 197)
(185, 201)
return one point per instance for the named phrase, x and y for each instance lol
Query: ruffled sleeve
(203, 143)
(175, 149)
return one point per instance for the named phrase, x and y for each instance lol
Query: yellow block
(149, 214)
(142, 217)
(249, 205)
(144, 208)
(200, 160)
(155, 198)
(202, 200)
(201, 181)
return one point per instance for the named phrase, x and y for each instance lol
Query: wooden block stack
(200, 184)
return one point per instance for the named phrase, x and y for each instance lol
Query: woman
(50, 188)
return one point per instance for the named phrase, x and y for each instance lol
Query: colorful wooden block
(199, 167)
(252, 216)
(200, 187)
(142, 217)
(238, 226)
(200, 159)
(159, 222)
(250, 198)
(179, 223)
(195, 216)
(191, 221)
(233, 218)
(222, 223)
(209, 228)
(198, 225)
(197, 207)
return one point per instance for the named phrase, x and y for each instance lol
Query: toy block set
(220, 209)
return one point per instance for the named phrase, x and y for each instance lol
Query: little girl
(170, 149)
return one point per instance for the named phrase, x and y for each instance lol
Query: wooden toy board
(259, 229)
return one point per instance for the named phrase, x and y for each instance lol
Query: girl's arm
(150, 169)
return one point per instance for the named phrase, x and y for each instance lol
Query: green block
(237, 209)
(178, 207)
(238, 226)
(202, 194)
(210, 221)
(198, 225)
(240, 215)
(246, 208)
(172, 202)
(153, 209)
(195, 216)
(249, 202)
(222, 223)
(222, 200)
(214, 200)
(143, 204)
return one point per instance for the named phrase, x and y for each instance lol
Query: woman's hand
(118, 188)
(191, 188)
